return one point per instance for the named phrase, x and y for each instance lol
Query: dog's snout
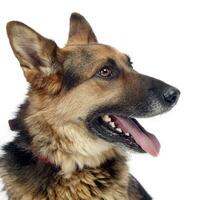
(171, 95)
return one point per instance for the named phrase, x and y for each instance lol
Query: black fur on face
(70, 79)
(146, 99)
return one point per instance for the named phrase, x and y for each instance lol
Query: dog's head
(89, 91)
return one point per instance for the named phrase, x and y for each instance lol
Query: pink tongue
(147, 141)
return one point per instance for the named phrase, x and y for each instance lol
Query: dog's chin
(124, 131)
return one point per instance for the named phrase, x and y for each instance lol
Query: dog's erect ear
(36, 54)
(80, 31)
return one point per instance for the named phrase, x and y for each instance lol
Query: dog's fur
(54, 155)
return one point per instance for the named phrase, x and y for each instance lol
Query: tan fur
(55, 118)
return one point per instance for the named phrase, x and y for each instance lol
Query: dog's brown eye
(109, 70)
(105, 72)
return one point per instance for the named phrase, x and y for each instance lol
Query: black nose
(171, 95)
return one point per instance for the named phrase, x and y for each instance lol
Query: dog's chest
(107, 182)
(89, 185)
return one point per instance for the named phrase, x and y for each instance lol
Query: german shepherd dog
(78, 120)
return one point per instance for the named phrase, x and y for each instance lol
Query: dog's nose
(171, 95)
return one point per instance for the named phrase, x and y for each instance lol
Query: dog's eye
(105, 72)
(109, 70)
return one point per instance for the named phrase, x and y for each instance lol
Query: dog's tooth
(127, 134)
(119, 130)
(112, 124)
(106, 118)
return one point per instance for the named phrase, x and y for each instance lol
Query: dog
(78, 120)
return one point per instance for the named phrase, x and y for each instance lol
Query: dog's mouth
(125, 130)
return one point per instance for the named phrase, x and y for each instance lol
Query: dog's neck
(52, 148)
(46, 154)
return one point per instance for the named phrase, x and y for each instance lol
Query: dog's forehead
(82, 55)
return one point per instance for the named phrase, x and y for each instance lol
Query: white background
(163, 39)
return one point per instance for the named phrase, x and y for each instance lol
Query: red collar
(44, 159)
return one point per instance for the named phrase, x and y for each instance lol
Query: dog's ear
(37, 55)
(80, 31)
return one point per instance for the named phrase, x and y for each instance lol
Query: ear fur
(80, 31)
(37, 55)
